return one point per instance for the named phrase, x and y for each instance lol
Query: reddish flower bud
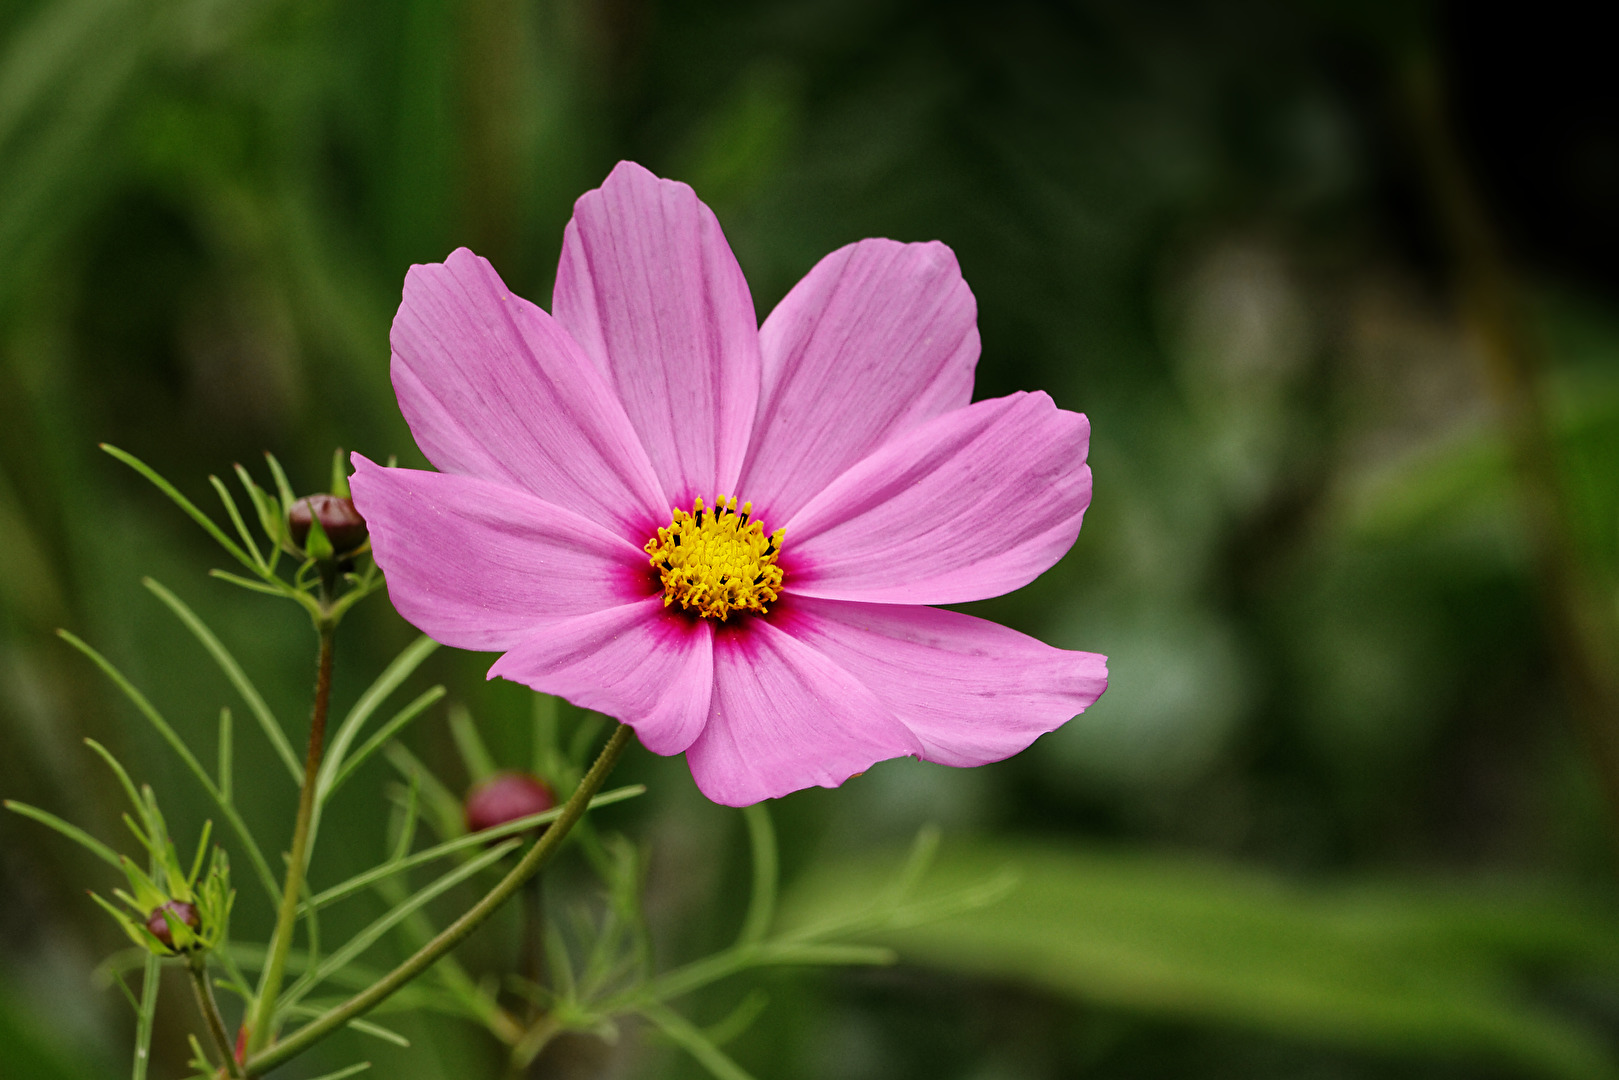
(506, 796)
(343, 525)
(182, 911)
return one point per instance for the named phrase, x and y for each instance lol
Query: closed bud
(182, 912)
(339, 521)
(504, 797)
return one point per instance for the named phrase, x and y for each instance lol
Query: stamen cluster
(716, 561)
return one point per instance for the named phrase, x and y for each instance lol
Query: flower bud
(182, 912)
(341, 523)
(506, 796)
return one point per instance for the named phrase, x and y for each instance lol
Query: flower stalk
(536, 857)
(197, 968)
(1581, 626)
(263, 1018)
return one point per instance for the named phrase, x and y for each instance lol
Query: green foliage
(599, 954)
(166, 880)
(1429, 971)
(325, 587)
(1189, 221)
(189, 759)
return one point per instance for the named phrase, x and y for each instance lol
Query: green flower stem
(197, 967)
(143, 1018)
(1578, 613)
(263, 1013)
(536, 857)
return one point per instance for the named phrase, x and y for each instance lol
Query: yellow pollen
(717, 561)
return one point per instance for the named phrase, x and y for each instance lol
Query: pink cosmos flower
(726, 534)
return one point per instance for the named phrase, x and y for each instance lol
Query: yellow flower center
(717, 561)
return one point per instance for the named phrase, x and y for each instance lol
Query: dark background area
(1335, 707)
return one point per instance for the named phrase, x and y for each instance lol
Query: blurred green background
(1334, 817)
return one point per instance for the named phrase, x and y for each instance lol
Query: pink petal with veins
(650, 290)
(478, 565)
(972, 504)
(877, 338)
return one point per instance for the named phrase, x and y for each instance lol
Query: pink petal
(972, 504)
(972, 691)
(492, 387)
(649, 667)
(877, 338)
(649, 288)
(478, 565)
(784, 717)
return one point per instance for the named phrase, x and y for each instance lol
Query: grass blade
(365, 1027)
(278, 589)
(380, 738)
(183, 503)
(202, 850)
(740, 1019)
(155, 718)
(450, 847)
(248, 543)
(474, 754)
(353, 977)
(342, 1074)
(233, 671)
(144, 1018)
(367, 937)
(377, 1031)
(685, 1035)
(405, 816)
(281, 485)
(72, 832)
(762, 904)
(123, 776)
(444, 809)
(547, 752)
(272, 516)
(227, 754)
(386, 683)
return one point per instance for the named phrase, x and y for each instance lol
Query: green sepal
(213, 898)
(202, 848)
(185, 939)
(281, 484)
(137, 932)
(340, 474)
(284, 506)
(469, 744)
(272, 515)
(147, 894)
(168, 880)
(129, 901)
(317, 545)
